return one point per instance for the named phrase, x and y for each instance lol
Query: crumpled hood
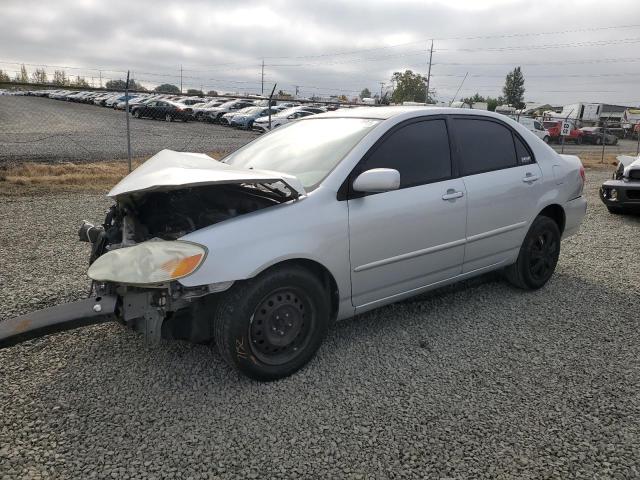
(168, 170)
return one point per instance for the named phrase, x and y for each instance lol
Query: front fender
(314, 227)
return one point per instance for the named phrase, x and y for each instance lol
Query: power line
(483, 37)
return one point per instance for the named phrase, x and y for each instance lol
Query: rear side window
(419, 151)
(523, 153)
(484, 145)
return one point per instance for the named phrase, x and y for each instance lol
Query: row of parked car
(249, 114)
(550, 131)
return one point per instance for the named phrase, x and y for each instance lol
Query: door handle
(530, 178)
(452, 194)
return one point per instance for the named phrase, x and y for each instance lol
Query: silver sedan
(325, 218)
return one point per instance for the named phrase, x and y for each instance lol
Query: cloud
(221, 45)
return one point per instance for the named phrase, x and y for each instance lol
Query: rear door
(503, 184)
(412, 237)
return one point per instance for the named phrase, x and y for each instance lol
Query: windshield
(308, 149)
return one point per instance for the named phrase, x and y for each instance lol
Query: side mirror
(377, 180)
(291, 117)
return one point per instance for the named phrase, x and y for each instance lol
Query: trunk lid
(170, 170)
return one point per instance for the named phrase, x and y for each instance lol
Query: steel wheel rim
(543, 254)
(281, 326)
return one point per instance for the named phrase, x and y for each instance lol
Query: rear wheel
(269, 327)
(538, 255)
(168, 118)
(136, 114)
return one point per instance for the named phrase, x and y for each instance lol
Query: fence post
(126, 112)
(604, 141)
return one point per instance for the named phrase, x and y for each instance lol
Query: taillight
(582, 174)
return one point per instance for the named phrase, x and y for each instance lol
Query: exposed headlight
(151, 262)
(613, 194)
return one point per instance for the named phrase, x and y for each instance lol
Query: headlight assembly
(148, 263)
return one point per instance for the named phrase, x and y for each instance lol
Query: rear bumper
(574, 212)
(627, 193)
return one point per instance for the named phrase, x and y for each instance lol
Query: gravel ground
(46, 130)
(474, 381)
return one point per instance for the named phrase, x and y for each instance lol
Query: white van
(536, 127)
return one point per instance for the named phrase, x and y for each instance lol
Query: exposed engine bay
(171, 214)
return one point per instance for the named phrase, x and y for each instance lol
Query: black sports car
(162, 110)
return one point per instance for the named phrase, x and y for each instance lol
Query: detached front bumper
(620, 193)
(58, 319)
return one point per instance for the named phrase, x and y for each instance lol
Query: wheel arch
(556, 213)
(317, 269)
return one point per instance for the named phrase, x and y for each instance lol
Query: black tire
(168, 118)
(249, 323)
(136, 114)
(538, 255)
(615, 210)
(598, 141)
(546, 139)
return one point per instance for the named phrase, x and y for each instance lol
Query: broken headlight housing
(148, 263)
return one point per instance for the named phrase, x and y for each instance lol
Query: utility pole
(100, 78)
(381, 87)
(297, 87)
(426, 98)
(180, 78)
(262, 75)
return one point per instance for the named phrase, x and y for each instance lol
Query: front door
(412, 237)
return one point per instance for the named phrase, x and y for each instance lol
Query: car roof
(383, 113)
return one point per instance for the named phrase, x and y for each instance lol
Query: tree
(492, 103)
(4, 77)
(39, 75)
(514, 88)
(24, 76)
(60, 77)
(195, 92)
(80, 82)
(212, 93)
(410, 87)
(122, 85)
(343, 99)
(365, 93)
(167, 88)
(477, 98)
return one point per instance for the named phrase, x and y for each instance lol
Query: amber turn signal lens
(179, 268)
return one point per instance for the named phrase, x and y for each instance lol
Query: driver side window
(419, 151)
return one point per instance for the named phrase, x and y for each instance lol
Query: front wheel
(269, 327)
(168, 118)
(538, 255)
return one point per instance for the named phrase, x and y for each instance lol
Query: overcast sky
(334, 47)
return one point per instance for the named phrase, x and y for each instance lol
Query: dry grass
(99, 177)
(43, 178)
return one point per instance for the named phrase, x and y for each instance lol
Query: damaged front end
(137, 258)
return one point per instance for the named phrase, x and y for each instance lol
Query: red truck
(554, 127)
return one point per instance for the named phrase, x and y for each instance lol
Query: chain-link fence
(62, 124)
(53, 124)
